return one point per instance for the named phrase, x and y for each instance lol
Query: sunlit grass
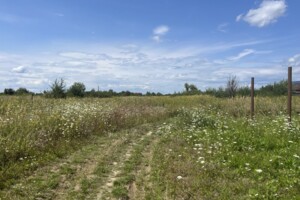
(33, 132)
(210, 149)
(209, 154)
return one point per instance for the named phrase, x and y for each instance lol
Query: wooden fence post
(252, 98)
(289, 103)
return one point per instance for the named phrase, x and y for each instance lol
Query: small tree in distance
(9, 91)
(58, 89)
(77, 90)
(232, 86)
(187, 87)
(22, 91)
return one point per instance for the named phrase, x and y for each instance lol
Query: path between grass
(115, 166)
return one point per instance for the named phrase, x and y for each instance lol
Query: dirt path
(140, 188)
(93, 171)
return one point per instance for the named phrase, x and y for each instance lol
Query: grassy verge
(208, 154)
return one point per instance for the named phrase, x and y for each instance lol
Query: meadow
(185, 147)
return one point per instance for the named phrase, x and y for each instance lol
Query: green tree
(22, 91)
(58, 89)
(193, 88)
(77, 90)
(244, 91)
(275, 89)
(9, 91)
(232, 86)
(187, 87)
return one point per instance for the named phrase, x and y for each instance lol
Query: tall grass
(34, 131)
(209, 153)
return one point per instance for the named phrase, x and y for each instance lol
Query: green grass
(211, 143)
(36, 132)
(209, 154)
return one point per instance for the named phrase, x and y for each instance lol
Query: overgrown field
(199, 147)
(208, 154)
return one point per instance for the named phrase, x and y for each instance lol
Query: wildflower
(179, 177)
(259, 170)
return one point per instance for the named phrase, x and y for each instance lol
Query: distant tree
(58, 89)
(9, 91)
(22, 91)
(244, 91)
(275, 89)
(77, 90)
(280, 88)
(190, 89)
(221, 93)
(193, 88)
(232, 86)
(187, 87)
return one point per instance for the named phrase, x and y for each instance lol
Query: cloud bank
(142, 68)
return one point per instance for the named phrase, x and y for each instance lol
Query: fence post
(252, 98)
(289, 104)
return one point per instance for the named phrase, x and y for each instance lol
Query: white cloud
(223, 27)
(268, 12)
(156, 38)
(20, 69)
(78, 55)
(137, 68)
(239, 17)
(242, 54)
(159, 32)
(294, 59)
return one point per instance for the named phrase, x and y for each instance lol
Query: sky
(142, 45)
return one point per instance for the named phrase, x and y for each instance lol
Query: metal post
(289, 104)
(252, 97)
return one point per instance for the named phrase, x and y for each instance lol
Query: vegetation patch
(209, 154)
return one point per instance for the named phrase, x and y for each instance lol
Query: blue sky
(142, 45)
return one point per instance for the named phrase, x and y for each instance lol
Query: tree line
(58, 89)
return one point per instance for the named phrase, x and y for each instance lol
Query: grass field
(188, 147)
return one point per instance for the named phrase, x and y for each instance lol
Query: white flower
(179, 177)
(259, 170)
